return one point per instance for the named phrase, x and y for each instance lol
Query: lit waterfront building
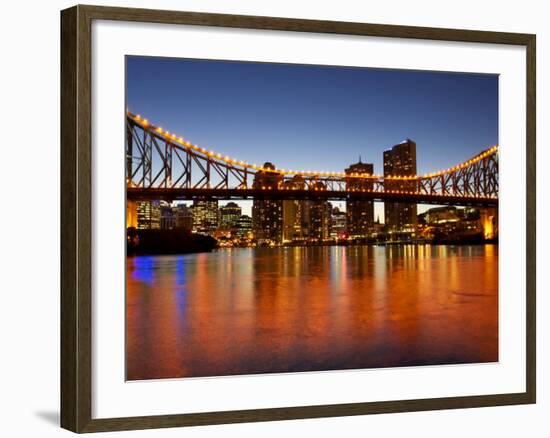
(295, 213)
(184, 217)
(229, 213)
(452, 224)
(205, 216)
(243, 226)
(338, 223)
(267, 214)
(267, 220)
(489, 222)
(294, 227)
(360, 213)
(131, 214)
(148, 215)
(442, 215)
(400, 160)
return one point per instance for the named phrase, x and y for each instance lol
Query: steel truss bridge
(161, 165)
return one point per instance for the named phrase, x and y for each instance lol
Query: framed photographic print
(268, 218)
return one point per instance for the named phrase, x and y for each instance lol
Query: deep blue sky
(316, 117)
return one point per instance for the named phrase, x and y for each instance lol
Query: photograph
(291, 218)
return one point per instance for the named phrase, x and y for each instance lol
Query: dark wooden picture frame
(76, 222)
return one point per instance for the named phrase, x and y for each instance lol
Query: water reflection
(247, 311)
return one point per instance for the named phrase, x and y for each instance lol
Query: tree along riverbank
(175, 241)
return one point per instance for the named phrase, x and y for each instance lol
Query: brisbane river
(272, 310)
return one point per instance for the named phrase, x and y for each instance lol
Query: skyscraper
(319, 216)
(400, 160)
(295, 214)
(205, 216)
(148, 214)
(359, 212)
(338, 223)
(229, 213)
(243, 226)
(267, 214)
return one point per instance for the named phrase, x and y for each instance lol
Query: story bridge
(162, 165)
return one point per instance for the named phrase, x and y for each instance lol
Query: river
(272, 310)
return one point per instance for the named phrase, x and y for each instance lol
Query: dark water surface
(271, 310)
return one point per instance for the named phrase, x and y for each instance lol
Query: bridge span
(162, 165)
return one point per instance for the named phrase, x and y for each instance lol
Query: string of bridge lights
(171, 137)
(368, 190)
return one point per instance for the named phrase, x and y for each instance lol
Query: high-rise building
(184, 216)
(267, 214)
(360, 212)
(148, 215)
(338, 223)
(400, 160)
(205, 216)
(229, 214)
(295, 213)
(243, 226)
(319, 216)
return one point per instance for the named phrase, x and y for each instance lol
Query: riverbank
(175, 241)
(367, 242)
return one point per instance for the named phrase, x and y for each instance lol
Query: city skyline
(261, 112)
(223, 218)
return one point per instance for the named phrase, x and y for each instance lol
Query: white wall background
(29, 222)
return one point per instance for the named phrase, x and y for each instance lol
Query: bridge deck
(173, 194)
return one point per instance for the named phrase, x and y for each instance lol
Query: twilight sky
(316, 117)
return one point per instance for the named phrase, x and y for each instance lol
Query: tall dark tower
(267, 214)
(319, 216)
(400, 160)
(359, 213)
